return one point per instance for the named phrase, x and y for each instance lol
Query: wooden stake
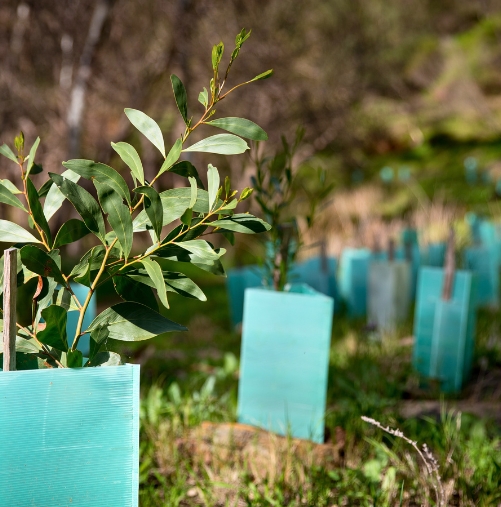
(450, 266)
(9, 309)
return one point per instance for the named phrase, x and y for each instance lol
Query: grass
(193, 377)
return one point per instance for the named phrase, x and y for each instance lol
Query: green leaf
(132, 290)
(55, 197)
(230, 206)
(153, 208)
(180, 96)
(213, 181)
(133, 322)
(203, 97)
(91, 261)
(187, 169)
(217, 54)
(230, 236)
(187, 217)
(181, 284)
(44, 190)
(66, 300)
(7, 197)
(41, 263)
(7, 152)
(246, 192)
(105, 358)
(200, 248)
(70, 231)
(264, 75)
(31, 156)
(243, 222)
(148, 127)
(241, 127)
(118, 215)
(27, 345)
(84, 203)
(172, 157)
(10, 186)
(54, 334)
(155, 274)
(102, 173)
(194, 192)
(74, 359)
(175, 202)
(19, 142)
(37, 210)
(176, 254)
(13, 233)
(131, 157)
(224, 144)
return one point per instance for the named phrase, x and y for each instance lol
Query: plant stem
(89, 296)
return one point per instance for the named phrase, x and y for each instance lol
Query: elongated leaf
(175, 202)
(240, 127)
(180, 96)
(148, 127)
(263, 75)
(54, 334)
(105, 358)
(41, 263)
(174, 282)
(10, 186)
(70, 231)
(153, 208)
(213, 181)
(155, 274)
(74, 359)
(31, 156)
(133, 322)
(203, 97)
(90, 263)
(13, 233)
(84, 203)
(102, 173)
(224, 144)
(27, 345)
(131, 157)
(7, 152)
(66, 300)
(200, 248)
(118, 215)
(172, 157)
(55, 197)
(242, 222)
(37, 211)
(176, 254)
(194, 192)
(181, 284)
(132, 290)
(7, 197)
(187, 169)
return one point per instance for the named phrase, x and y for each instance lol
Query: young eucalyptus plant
(280, 191)
(177, 221)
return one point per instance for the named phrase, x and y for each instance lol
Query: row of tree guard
(286, 335)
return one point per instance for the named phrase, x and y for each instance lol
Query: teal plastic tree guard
(474, 221)
(490, 236)
(444, 331)
(354, 271)
(435, 255)
(237, 281)
(389, 294)
(411, 253)
(70, 437)
(319, 274)
(284, 361)
(483, 261)
(81, 292)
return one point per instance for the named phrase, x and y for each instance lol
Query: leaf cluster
(177, 220)
(284, 195)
